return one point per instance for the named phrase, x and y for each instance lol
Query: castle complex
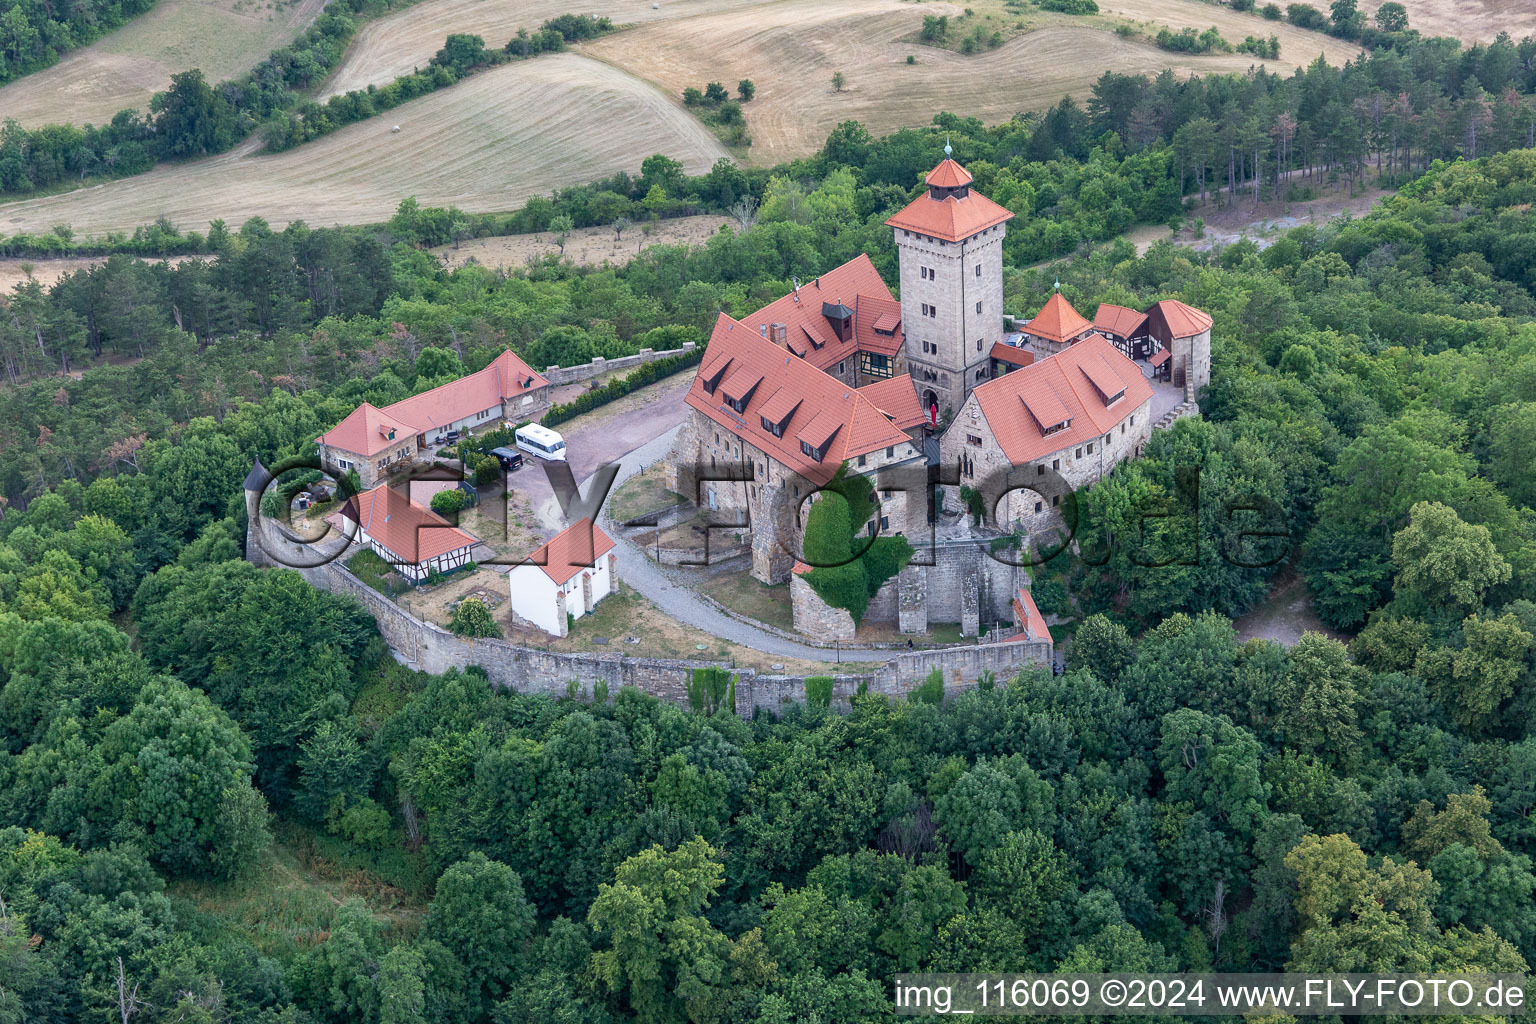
(840, 371)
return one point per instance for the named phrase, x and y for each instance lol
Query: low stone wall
(961, 666)
(426, 646)
(558, 375)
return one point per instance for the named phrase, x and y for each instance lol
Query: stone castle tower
(950, 245)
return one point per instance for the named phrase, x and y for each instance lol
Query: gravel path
(662, 585)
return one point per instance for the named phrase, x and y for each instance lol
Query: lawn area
(290, 902)
(377, 573)
(744, 595)
(641, 493)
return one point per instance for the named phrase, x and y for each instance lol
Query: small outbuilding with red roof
(565, 578)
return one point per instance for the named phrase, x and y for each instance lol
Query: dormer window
(711, 374)
(739, 386)
(816, 435)
(776, 413)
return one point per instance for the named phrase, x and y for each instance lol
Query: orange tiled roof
(1057, 321)
(897, 398)
(954, 217)
(857, 285)
(949, 174)
(1059, 381)
(1183, 321)
(433, 410)
(1006, 353)
(411, 531)
(1118, 320)
(366, 431)
(1032, 622)
(573, 549)
(856, 426)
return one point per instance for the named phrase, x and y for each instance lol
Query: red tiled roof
(366, 431)
(1057, 320)
(573, 549)
(949, 174)
(432, 410)
(435, 409)
(950, 218)
(860, 426)
(1030, 620)
(1058, 381)
(857, 284)
(412, 532)
(889, 321)
(1006, 353)
(1159, 357)
(1119, 321)
(1183, 321)
(897, 398)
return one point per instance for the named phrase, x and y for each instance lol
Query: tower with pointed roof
(950, 245)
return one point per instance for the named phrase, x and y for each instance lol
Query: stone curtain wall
(430, 648)
(558, 375)
(899, 676)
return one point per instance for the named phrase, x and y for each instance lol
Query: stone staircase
(1178, 412)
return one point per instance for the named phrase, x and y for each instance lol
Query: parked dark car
(510, 460)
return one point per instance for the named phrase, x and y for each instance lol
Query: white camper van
(541, 442)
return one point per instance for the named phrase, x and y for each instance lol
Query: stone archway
(931, 407)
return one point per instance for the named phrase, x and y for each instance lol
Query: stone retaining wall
(430, 648)
(558, 375)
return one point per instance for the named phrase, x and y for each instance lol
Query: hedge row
(649, 373)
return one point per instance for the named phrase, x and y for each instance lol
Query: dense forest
(172, 719)
(34, 34)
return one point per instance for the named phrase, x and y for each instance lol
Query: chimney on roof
(780, 334)
(762, 329)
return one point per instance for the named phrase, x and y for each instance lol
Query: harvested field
(1298, 46)
(1470, 20)
(48, 272)
(486, 144)
(396, 44)
(225, 38)
(791, 48)
(586, 246)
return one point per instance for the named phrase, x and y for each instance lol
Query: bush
(711, 690)
(931, 690)
(1306, 16)
(1272, 12)
(448, 503)
(1069, 6)
(473, 618)
(746, 90)
(818, 691)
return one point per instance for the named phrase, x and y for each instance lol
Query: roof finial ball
(947, 150)
(1058, 284)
